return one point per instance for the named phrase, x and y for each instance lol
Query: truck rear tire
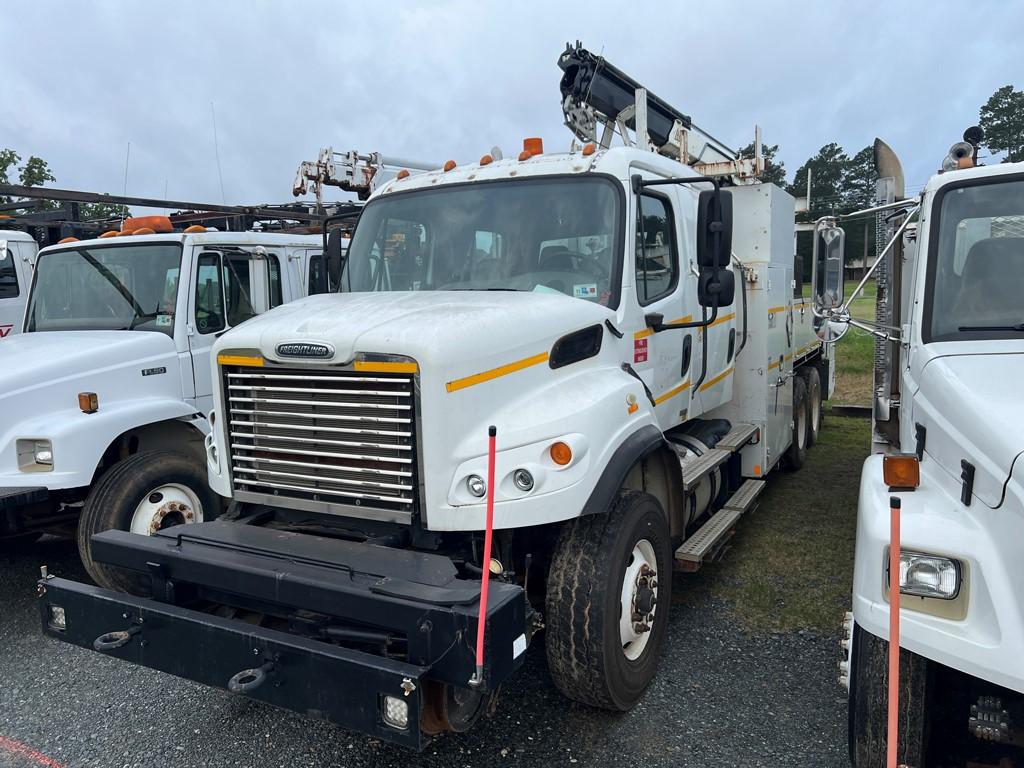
(796, 454)
(868, 720)
(143, 493)
(813, 383)
(608, 593)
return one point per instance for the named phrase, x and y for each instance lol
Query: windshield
(977, 263)
(106, 287)
(552, 236)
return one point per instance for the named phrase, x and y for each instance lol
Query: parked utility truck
(17, 255)
(103, 398)
(946, 441)
(624, 316)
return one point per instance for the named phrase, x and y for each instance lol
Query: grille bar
(323, 435)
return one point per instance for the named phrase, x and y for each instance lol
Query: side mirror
(716, 290)
(334, 258)
(714, 228)
(829, 242)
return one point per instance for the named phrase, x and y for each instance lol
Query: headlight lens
(58, 619)
(929, 576)
(523, 480)
(35, 455)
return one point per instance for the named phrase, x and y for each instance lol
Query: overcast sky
(80, 80)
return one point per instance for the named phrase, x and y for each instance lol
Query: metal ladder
(708, 541)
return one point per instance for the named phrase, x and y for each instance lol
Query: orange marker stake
(485, 579)
(892, 739)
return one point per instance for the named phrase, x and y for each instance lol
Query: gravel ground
(723, 696)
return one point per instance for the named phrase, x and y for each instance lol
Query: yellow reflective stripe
(672, 392)
(375, 366)
(723, 319)
(718, 378)
(249, 360)
(773, 310)
(773, 365)
(494, 373)
(788, 358)
(648, 331)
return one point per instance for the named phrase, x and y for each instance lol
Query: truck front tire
(608, 594)
(143, 493)
(812, 382)
(868, 716)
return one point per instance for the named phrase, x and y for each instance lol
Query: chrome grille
(341, 437)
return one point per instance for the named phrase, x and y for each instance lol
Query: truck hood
(972, 410)
(81, 360)
(451, 333)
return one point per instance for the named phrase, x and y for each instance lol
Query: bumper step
(739, 436)
(707, 542)
(694, 468)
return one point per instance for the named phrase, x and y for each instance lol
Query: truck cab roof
(16, 235)
(212, 239)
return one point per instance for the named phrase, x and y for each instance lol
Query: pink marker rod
(485, 579)
(892, 737)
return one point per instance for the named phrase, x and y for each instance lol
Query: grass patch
(855, 351)
(790, 565)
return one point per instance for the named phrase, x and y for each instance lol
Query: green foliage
(774, 172)
(90, 211)
(35, 172)
(1002, 120)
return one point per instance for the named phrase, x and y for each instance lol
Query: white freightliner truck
(630, 327)
(947, 442)
(17, 255)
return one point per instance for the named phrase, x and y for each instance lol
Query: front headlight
(35, 455)
(924, 575)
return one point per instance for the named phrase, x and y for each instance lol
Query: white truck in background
(104, 397)
(17, 257)
(947, 443)
(628, 319)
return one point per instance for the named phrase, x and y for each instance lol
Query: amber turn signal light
(561, 453)
(902, 471)
(88, 402)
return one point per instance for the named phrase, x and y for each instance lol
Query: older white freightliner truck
(103, 398)
(947, 442)
(17, 256)
(624, 316)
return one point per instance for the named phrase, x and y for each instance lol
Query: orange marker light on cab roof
(195, 228)
(67, 240)
(534, 145)
(589, 149)
(901, 471)
(156, 223)
(561, 453)
(144, 231)
(402, 174)
(449, 165)
(111, 233)
(126, 232)
(486, 160)
(524, 155)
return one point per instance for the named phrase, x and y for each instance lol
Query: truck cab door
(228, 287)
(663, 359)
(13, 289)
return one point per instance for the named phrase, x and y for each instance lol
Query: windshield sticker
(164, 320)
(585, 291)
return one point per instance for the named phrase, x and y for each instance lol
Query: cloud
(452, 78)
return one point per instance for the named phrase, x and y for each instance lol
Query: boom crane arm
(597, 94)
(352, 172)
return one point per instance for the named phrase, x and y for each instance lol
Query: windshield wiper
(1018, 327)
(140, 318)
(484, 289)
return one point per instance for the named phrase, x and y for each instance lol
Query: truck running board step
(695, 467)
(710, 536)
(739, 436)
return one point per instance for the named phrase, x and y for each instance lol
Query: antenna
(216, 153)
(127, 155)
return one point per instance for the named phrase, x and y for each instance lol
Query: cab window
(8, 277)
(233, 286)
(657, 262)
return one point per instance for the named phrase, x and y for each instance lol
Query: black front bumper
(310, 586)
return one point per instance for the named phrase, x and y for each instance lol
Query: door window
(232, 287)
(657, 262)
(8, 276)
